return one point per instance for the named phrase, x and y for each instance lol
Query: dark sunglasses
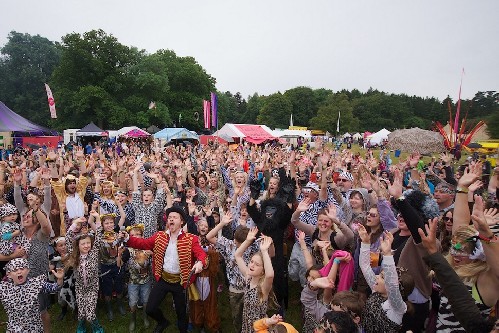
(446, 218)
(343, 180)
(373, 215)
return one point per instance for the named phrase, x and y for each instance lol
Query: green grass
(120, 323)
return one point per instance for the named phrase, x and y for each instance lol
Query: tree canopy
(95, 77)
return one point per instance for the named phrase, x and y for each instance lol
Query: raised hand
(492, 216)
(252, 234)
(265, 243)
(227, 218)
(386, 243)
(303, 205)
(58, 273)
(301, 237)
(331, 212)
(470, 175)
(364, 236)
(323, 283)
(478, 218)
(475, 185)
(395, 189)
(429, 240)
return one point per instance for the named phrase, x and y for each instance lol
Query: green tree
(26, 63)
(255, 104)
(327, 116)
(304, 104)
(275, 111)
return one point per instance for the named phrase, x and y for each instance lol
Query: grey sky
(412, 47)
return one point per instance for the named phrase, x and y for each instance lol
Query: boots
(64, 310)
(146, 319)
(121, 307)
(131, 325)
(96, 327)
(109, 307)
(81, 328)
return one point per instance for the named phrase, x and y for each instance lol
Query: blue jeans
(138, 290)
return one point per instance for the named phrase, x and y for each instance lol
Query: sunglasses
(306, 190)
(343, 180)
(373, 215)
(446, 218)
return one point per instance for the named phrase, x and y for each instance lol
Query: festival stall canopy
(132, 132)
(357, 136)
(176, 133)
(378, 137)
(252, 133)
(12, 122)
(287, 133)
(91, 130)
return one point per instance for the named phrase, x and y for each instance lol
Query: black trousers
(415, 322)
(158, 293)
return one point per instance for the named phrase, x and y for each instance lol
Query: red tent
(204, 139)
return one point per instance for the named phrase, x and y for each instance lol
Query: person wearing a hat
(19, 295)
(345, 183)
(70, 192)
(175, 255)
(10, 230)
(444, 196)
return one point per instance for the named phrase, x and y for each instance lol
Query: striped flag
(206, 109)
(214, 110)
(51, 101)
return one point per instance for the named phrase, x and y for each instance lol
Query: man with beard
(70, 192)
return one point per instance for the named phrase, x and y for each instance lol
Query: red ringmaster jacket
(188, 249)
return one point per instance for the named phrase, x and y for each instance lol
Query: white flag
(338, 124)
(51, 101)
(291, 120)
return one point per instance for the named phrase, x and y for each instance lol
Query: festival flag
(456, 119)
(338, 124)
(206, 109)
(291, 121)
(51, 101)
(214, 110)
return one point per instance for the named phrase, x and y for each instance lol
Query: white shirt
(74, 205)
(171, 262)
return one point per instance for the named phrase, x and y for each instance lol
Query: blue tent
(174, 133)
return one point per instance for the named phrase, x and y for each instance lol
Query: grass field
(120, 323)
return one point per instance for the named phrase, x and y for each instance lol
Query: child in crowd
(67, 296)
(19, 296)
(387, 304)
(227, 249)
(10, 230)
(204, 312)
(84, 258)
(259, 275)
(139, 267)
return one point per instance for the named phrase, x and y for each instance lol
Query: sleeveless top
(252, 308)
(374, 318)
(447, 322)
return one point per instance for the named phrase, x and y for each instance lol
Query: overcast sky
(265, 46)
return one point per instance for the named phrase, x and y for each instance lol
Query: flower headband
(139, 226)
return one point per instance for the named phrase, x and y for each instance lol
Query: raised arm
(365, 257)
(240, 251)
(391, 276)
(213, 234)
(267, 265)
(295, 218)
(462, 216)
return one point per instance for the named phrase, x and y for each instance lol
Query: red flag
(207, 113)
(51, 101)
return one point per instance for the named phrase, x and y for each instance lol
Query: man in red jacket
(175, 254)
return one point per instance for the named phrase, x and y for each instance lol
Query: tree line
(95, 77)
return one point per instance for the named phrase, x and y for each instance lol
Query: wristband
(336, 261)
(462, 189)
(488, 240)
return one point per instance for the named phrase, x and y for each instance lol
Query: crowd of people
(376, 246)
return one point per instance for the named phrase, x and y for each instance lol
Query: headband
(103, 216)
(139, 226)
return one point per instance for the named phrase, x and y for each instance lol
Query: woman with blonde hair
(259, 275)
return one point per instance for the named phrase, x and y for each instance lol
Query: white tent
(357, 136)
(378, 137)
(347, 135)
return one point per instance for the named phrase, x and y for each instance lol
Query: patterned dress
(87, 277)
(21, 303)
(253, 309)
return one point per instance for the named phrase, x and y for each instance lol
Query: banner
(51, 101)
(214, 110)
(206, 109)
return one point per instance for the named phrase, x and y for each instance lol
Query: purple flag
(214, 112)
